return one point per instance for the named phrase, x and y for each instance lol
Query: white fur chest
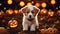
(26, 21)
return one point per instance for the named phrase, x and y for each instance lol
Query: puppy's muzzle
(30, 16)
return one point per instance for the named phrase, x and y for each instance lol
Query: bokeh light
(56, 7)
(3, 20)
(43, 4)
(0, 4)
(43, 11)
(29, 4)
(16, 11)
(51, 13)
(9, 11)
(37, 4)
(53, 2)
(32, 2)
(9, 2)
(22, 3)
(4, 8)
(58, 12)
(1, 12)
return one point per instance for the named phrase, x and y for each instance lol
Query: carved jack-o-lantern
(13, 23)
(52, 31)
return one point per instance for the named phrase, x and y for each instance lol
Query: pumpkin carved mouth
(13, 24)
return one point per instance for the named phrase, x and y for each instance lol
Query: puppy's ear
(25, 9)
(36, 10)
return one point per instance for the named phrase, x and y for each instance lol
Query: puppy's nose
(29, 16)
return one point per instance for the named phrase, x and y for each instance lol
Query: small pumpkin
(52, 31)
(13, 23)
(43, 31)
(3, 30)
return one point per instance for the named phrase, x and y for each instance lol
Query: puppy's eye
(32, 12)
(28, 12)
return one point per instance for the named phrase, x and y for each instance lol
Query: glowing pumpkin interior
(13, 24)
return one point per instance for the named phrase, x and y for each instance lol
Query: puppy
(30, 17)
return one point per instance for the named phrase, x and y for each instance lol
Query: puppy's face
(30, 12)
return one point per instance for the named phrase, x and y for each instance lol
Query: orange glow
(16, 11)
(22, 3)
(43, 31)
(43, 5)
(1, 13)
(13, 24)
(44, 11)
(58, 11)
(9, 1)
(20, 12)
(51, 13)
(53, 2)
(37, 4)
(3, 20)
(10, 11)
(29, 4)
